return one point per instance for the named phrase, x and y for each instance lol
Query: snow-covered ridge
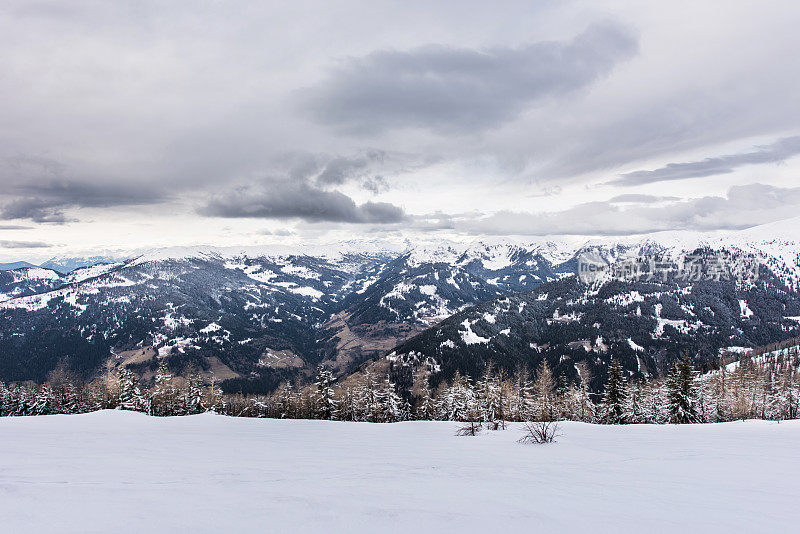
(777, 239)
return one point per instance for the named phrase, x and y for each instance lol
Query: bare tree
(540, 432)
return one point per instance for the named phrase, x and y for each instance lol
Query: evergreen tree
(458, 401)
(521, 397)
(615, 396)
(681, 392)
(45, 401)
(489, 399)
(424, 407)
(129, 394)
(392, 406)
(193, 394)
(325, 402)
(164, 397)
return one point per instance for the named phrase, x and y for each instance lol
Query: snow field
(116, 471)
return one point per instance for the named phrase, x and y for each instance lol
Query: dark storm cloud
(24, 244)
(742, 207)
(781, 150)
(301, 201)
(36, 209)
(45, 201)
(462, 90)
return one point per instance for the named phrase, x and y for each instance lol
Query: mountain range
(256, 316)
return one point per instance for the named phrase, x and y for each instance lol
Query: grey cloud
(368, 168)
(28, 164)
(340, 170)
(45, 201)
(460, 89)
(24, 244)
(743, 207)
(779, 151)
(97, 194)
(36, 209)
(375, 184)
(14, 227)
(301, 201)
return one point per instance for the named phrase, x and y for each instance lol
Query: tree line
(764, 386)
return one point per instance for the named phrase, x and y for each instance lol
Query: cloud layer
(23, 244)
(301, 201)
(456, 90)
(779, 151)
(742, 207)
(142, 122)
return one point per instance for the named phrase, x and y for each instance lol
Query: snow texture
(118, 471)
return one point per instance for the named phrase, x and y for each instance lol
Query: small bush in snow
(470, 428)
(539, 432)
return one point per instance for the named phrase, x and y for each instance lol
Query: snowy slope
(644, 324)
(343, 302)
(125, 472)
(27, 281)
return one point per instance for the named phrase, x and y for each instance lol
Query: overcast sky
(132, 124)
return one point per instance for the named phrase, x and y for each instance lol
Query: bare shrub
(540, 432)
(470, 428)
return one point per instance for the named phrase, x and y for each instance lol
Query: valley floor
(117, 471)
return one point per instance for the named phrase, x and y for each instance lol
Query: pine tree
(424, 407)
(681, 392)
(521, 398)
(635, 407)
(45, 401)
(615, 396)
(459, 399)
(325, 402)
(392, 404)
(5, 398)
(129, 394)
(489, 399)
(164, 397)
(193, 395)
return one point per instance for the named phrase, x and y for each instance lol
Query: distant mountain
(253, 316)
(25, 281)
(15, 265)
(258, 315)
(645, 325)
(645, 321)
(67, 264)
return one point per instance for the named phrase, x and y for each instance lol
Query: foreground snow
(126, 472)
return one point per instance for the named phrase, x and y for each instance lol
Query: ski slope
(118, 471)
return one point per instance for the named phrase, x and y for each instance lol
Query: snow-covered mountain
(24, 281)
(15, 265)
(646, 325)
(67, 264)
(644, 320)
(257, 315)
